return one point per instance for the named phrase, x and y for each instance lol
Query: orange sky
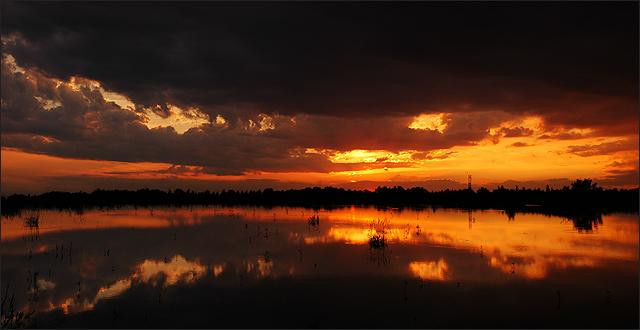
(488, 162)
(66, 127)
(516, 148)
(533, 159)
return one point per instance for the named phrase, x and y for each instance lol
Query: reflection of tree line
(583, 220)
(583, 202)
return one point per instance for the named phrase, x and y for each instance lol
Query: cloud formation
(604, 148)
(85, 124)
(345, 60)
(236, 88)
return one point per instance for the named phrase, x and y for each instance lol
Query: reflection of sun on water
(430, 270)
(533, 246)
(530, 247)
(360, 235)
(352, 235)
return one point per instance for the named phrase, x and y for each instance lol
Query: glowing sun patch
(432, 122)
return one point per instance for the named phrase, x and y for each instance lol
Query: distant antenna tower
(469, 182)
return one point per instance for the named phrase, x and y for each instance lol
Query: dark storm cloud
(620, 178)
(80, 123)
(387, 133)
(515, 131)
(574, 63)
(84, 125)
(604, 148)
(520, 144)
(332, 76)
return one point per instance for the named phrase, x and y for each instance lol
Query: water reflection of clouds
(430, 270)
(155, 272)
(232, 242)
(162, 273)
(174, 270)
(537, 267)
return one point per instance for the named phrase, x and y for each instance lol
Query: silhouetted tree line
(583, 200)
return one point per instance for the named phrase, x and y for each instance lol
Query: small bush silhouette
(377, 241)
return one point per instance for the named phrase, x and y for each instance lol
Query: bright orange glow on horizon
(533, 159)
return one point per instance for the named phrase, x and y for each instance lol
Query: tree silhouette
(584, 201)
(584, 185)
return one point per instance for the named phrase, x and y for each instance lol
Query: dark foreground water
(257, 268)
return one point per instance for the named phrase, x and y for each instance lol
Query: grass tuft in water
(32, 220)
(377, 231)
(314, 220)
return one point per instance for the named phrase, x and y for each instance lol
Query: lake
(350, 267)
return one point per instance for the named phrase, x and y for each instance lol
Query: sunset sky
(214, 95)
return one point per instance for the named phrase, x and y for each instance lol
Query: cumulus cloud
(85, 124)
(518, 131)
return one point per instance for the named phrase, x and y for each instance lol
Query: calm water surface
(257, 267)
